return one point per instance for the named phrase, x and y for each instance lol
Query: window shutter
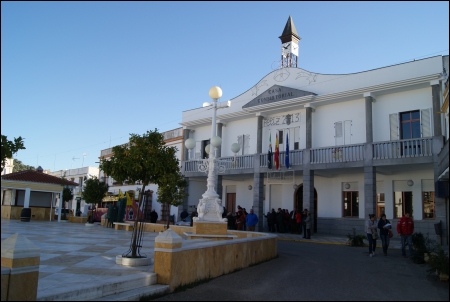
(393, 124)
(347, 132)
(246, 143)
(241, 143)
(425, 122)
(338, 133)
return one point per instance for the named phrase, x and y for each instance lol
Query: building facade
(360, 143)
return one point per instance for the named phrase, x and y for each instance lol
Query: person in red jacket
(405, 228)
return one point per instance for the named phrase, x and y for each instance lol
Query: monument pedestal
(212, 230)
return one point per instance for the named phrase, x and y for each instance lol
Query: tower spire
(289, 45)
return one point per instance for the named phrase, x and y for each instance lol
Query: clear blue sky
(79, 77)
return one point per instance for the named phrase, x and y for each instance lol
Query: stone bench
(123, 226)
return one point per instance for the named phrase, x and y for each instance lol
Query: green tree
(93, 192)
(10, 147)
(67, 196)
(171, 188)
(19, 166)
(146, 159)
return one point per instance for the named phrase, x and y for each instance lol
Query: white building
(78, 175)
(359, 143)
(8, 166)
(173, 138)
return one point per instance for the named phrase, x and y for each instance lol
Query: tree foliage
(94, 191)
(148, 160)
(10, 147)
(19, 166)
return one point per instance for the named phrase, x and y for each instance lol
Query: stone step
(136, 294)
(95, 289)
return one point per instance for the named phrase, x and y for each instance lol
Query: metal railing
(337, 154)
(295, 158)
(403, 148)
(230, 163)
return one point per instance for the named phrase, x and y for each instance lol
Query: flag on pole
(277, 153)
(269, 154)
(286, 158)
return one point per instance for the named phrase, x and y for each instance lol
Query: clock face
(289, 47)
(286, 48)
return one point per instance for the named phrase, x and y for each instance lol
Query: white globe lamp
(216, 141)
(235, 148)
(215, 93)
(189, 143)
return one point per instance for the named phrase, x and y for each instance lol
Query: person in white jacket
(372, 234)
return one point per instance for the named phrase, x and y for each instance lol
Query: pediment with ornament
(276, 93)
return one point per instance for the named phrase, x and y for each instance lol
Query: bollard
(21, 257)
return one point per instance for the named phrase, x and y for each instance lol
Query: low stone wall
(77, 219)
(13, 212)
(178, 265)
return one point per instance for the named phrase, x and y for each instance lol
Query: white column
(60, 206)
(26, 202)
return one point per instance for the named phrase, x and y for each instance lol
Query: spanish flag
(277, 153)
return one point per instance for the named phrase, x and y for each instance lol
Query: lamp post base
(210, 209)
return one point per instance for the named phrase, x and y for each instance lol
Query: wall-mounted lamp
(295, 186)
(250, 187)
(410, 183)
(347, 186)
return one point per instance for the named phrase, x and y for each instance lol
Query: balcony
(396, 152)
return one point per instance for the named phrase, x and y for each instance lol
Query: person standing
(251, 220)
(298, 221)
(308, 225)
(384, 225)
(240, 220)
(304, 222)
(231, 223)
(153, 216)
(405, 228)
(372, 234)
(193, 214)
(280, 221)
(273, 218)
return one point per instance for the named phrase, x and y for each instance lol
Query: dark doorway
(299, 204)
(231, 202)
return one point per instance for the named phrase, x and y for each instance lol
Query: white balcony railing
(403, 148)
(230, 163)
(338, 154)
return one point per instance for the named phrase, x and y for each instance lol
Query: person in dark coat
(193, 214)
(280, 220)
(184, 214)
(273, 219)
(153, 216)
(231, 221)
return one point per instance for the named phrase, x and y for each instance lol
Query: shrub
(438, 262)
(355, 240)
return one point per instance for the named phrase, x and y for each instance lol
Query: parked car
(186, 221)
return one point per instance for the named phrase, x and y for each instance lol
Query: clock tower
(289, 45)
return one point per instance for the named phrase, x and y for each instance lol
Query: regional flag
(277, 153)
(286, 158)
(269, 154)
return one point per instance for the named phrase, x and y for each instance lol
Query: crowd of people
(405, 229)
(294, 222)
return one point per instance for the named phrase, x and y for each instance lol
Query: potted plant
(439, 263)
(355, 240)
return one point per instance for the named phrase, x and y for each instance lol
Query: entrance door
(299, 204)
(231, 202)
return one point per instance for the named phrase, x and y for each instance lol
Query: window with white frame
(410, 124)
(343, 132)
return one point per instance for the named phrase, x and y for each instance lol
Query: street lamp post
(210, 206)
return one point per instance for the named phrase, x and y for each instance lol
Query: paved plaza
(77, 262)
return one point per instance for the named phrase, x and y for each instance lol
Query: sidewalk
(333, 239)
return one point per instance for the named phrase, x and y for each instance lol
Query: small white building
(360, 143)
(78, 175)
